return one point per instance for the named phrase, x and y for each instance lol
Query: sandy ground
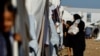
(92, 48)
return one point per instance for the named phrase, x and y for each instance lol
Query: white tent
(55, 2)
(37, 8)
(98, 37)
(67, 16)
(31, 22)
(54, 38)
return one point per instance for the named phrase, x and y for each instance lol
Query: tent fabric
(61, 11)
(55, 2)
(98, 37)
(54, 36)
(36, 8)
(54, 39)
(67, 16)
(22, 24)
(61, 33)
(60, 30)
(39, 9)
(32, 31)
(30, 19)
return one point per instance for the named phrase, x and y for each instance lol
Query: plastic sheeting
(55, 2)
(22, 23)
(54, 36)
(29, 24)
(36, 8)
(32, 31)
(67, 16)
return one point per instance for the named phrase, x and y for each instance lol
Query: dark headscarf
(77, 16)
(69, 23)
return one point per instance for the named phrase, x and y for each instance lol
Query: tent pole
(22, 14)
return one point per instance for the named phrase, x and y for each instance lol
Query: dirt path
(92, 48)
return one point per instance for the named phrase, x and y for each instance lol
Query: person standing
(67, 41)
(78, 39)
(7, 20)
(64, 32)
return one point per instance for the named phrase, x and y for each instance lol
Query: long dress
(78, 40)
(68, 39)
(64, 30)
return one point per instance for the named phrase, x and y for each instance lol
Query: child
(7, 18)
(67, 38)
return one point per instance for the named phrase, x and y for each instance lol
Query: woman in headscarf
(78, 36)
